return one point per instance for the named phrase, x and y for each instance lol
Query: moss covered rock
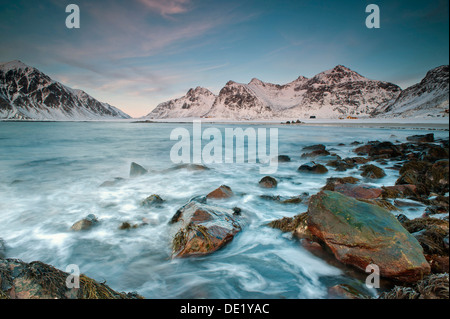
(360, 234)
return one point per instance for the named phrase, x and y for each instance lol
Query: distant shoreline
(436, 124)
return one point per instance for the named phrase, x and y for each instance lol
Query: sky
(135, 54)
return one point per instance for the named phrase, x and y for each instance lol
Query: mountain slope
(196, 103)
(28, 94)
(430, 97)
(330, 94)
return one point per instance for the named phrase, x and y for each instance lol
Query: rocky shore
(351, 223)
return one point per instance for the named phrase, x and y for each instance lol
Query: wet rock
(358, 191)
(399, 191)
(344, 291)
(360, 234)
(376, 149)
(283, 159)
(36, 280)
(203, 229)
(402, 218)
(237, 211)
(372, 171)
(127, 226)
(85, 224)
(296, 225)
(2, 248)
(221, 193)
(152, 201)
(434, 286)
(439, 177)
(268, 182)
(332, 182)
(315, 154)
(439, 264)
(431, 234)
(434, 153)
(340, 165)
(112, 183)
(137, 170)
(313, 168)
(191, 167)
(428, 138)
(312, 148)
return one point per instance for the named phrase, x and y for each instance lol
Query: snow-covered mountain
(196, 103)
(427, 98)
(335, 93)
(28, 94)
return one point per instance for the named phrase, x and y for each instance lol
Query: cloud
(167, 7)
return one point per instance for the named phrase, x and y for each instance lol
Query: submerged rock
(332, 182)
(112, 183)
(2, 249)
(152, 201)
(221, 193)
(429, 138)
(85, 224)
(137, 170)
(203, 229)
(282, 159)
(268, 182)
(344, 291)
(36, 280)
(313, 168)
(360, 234)
(372, 171)
(296, 225)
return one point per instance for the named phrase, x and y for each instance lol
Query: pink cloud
(167, 7)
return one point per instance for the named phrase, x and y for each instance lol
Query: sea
(50, 177)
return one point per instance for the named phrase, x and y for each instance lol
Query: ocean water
(50, 175)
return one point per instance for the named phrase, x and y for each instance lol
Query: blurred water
(50, 175)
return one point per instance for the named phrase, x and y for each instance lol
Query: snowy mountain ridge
(336, 93)
(28, 94)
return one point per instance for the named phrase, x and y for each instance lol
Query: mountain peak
(256, 81)
(13, 65)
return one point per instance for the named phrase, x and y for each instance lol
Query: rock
(360, 234)
(431, 233)
(221, 193)
(439, 177)
(313, 168)
(268, 182)
(377, 149)
(85, 224)
(372, 171)
(402, 218)
(203, 229)
(112, 183)
(127, 225)
(36, 280)
(237, 211)
(340, 165)
(434, 153)
(399, 191)
(344, 291)
(359, 191)
(429, 138)
(296, 225)
(2, 248)
(191, 167)
(283, 159)
(315, 154)
(318, 147)
(434, 286)
(152, 201)
(439, 264)
(137, 170)
(332, 182)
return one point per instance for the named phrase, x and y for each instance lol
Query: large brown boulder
(36, 280)
(360, 234)
(202, 229)
(221, 193)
